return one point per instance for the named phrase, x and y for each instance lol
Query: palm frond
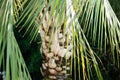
(26, 14)
(101, 27)
(83, 58)
(11, 60)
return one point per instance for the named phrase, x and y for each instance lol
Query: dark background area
(116, 7)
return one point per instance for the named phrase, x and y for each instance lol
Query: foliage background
(31, 53)
(33, 58)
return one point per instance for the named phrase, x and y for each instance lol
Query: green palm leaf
(11, 60)
(84, 60)
(102, 28)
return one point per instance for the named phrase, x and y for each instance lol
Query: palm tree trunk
(56, 48)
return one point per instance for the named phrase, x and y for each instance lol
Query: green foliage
(31, 53)
(11, 59)
(97, 27)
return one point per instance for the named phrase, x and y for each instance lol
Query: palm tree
(70, 29)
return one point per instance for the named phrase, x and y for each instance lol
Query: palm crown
(69, 30)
